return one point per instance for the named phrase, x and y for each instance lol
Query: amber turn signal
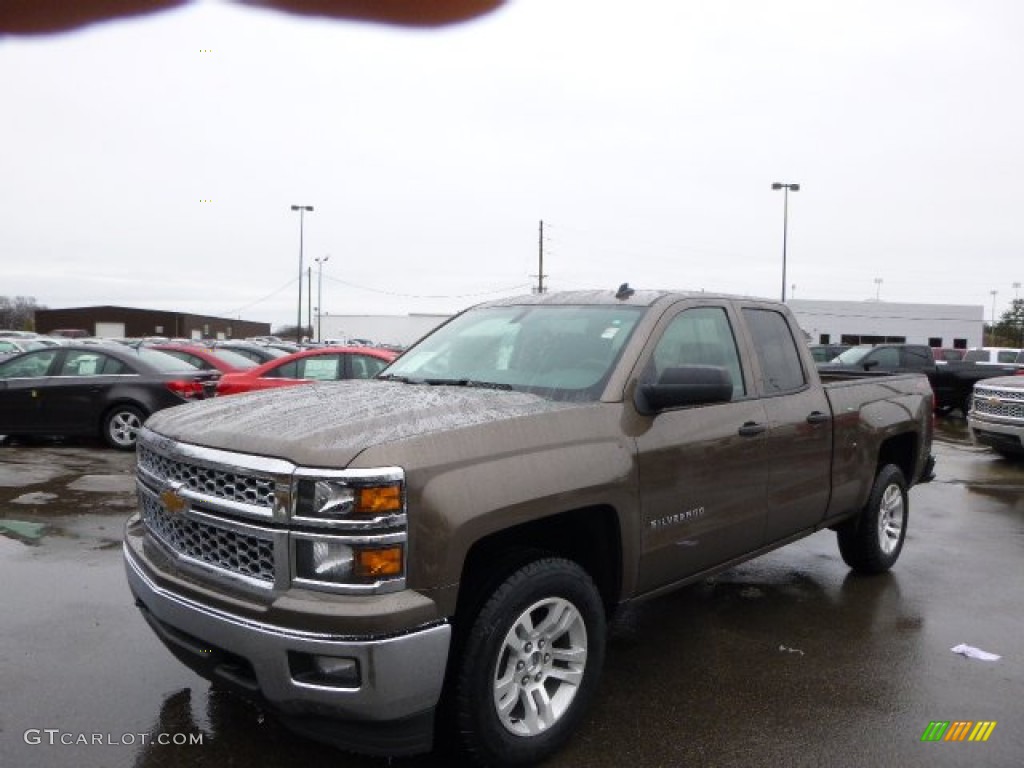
(378, 563)
(379, 499)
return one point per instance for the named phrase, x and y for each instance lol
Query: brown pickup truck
(453, 536)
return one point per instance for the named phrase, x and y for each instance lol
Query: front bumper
(388, 709)
(996, 434)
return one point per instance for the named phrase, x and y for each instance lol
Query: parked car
(221, 359)
(258, 353)
(12, 346)
(996, 418)
(823, 353)
(951, 381)
(320, 364)
(992, 355)
(946, 354)
(90, 390)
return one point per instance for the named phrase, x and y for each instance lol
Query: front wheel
(872, 542)
(121, 426)
(530, 664)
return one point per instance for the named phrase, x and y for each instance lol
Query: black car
(94, 390)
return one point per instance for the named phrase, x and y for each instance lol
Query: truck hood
(328, 424)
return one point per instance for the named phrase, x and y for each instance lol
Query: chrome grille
(217, 483)
(1002, 403)
(247, 554)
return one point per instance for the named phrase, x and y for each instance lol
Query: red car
(223, 360)
(321, 364)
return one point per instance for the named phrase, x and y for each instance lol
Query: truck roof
(629, 297)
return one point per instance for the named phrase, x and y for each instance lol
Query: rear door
(798, 455)
(702, 472)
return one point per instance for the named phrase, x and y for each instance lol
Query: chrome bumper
(399, 677)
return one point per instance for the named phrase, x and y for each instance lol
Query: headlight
(356, 498)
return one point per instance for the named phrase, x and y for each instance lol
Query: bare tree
(18, 313)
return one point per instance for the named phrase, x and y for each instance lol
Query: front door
(702, 473)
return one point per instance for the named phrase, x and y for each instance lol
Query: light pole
(320, 292)
(992, 333)
(878, 289)
(298, 314)
(785, 224)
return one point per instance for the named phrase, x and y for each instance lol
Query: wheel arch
(589, 536)
(900, 450)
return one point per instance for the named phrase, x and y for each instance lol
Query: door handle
(752, 429)
(817, 417)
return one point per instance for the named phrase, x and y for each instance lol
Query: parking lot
(787, 660)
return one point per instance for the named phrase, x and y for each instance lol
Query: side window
(776, 350)
(887, 357)
(365, 367)
(286, 371)
(79, 363)
(320, 368)
(1006, 355)
(28, 366)
(700, 336)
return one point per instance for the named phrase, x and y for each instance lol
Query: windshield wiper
(399, 379)
(468, 383)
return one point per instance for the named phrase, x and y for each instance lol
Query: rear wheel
(872, 542)
(121, 426)
(530, 664)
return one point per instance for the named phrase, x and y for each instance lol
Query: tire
(872, 542)
(530, 664)
(121, 425)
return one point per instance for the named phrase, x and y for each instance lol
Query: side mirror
(685, 385)
(869, 364)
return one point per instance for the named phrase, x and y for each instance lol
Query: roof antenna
(624, 292)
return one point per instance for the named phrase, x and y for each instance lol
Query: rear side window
(776, 350)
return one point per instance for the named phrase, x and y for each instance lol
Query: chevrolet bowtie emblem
(172, 500)
(994, 401)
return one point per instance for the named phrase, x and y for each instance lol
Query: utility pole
(540, 258)
(309, 298)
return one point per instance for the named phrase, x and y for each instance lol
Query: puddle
(36, 497)
(22, 530)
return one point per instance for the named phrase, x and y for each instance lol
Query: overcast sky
(153, 162)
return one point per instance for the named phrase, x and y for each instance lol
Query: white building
(824, 322)
(876, 322)
(393, 330)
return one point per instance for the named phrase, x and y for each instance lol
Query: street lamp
(298, 315)
(319, 292)
(785, 225)
(878, 288)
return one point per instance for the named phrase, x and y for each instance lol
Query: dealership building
(823, 322)
(877, 322)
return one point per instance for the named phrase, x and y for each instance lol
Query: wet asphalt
(785, 661)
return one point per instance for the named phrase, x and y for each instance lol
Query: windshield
(852, 356)
(560, 352)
